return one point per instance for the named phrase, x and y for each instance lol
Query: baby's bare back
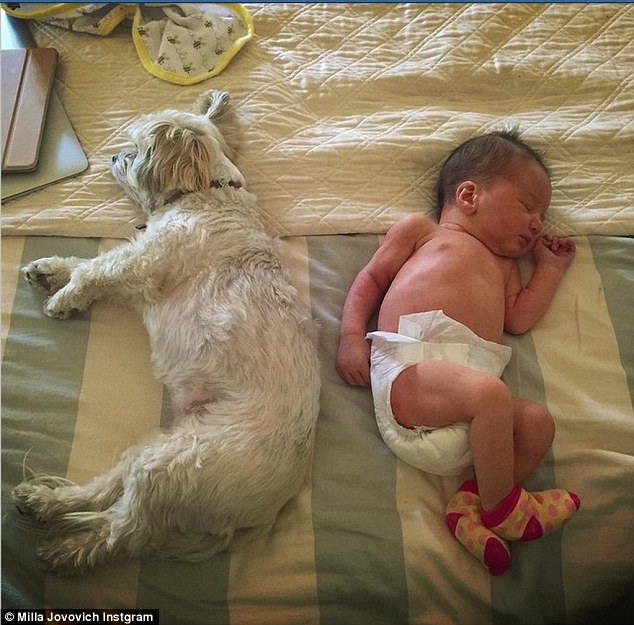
(453, 272)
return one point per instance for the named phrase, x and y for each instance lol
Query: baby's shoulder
(420, 219)
(414, 226)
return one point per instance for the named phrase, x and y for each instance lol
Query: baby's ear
(466, 197)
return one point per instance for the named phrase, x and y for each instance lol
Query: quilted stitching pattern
(349, 109)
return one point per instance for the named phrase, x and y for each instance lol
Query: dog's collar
(220, 183)
(216, 183)
(175, 195)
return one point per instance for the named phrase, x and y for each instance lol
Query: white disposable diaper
(421, 337)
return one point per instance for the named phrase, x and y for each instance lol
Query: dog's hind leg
(135, 524)
(81, 540)
(77, 541)
(44, 498)
(91, 524)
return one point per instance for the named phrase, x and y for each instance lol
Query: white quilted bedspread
(349, 108)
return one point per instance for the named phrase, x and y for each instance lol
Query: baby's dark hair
(481, 159)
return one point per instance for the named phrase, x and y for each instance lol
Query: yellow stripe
(118, 390)
(587, 392)
(429, 546)
(106, 586)
(574, 341)
(261, 574)
(11, 257)
(294, 256)
(421, 500)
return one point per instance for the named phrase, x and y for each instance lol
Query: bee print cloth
(180, 43)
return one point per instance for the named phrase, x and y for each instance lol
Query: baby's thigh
(436, 393)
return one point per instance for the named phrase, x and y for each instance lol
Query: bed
(347, 111)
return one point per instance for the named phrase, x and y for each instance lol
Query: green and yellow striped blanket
(365, 542)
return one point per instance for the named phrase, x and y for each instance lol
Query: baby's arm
(367, 291)
(525, 306)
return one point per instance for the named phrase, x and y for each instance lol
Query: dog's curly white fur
(229, 339)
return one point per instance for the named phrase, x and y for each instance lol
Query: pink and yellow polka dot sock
(463, 520)
(523, 516)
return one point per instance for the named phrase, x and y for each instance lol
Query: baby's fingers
(564, 245)
(560, 245)
(357, 379)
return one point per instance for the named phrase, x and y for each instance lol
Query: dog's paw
(62, 555)
(72, 545)
(43, 498)
(64, 303)
(34, 502)
(47, 274)
(54, 311)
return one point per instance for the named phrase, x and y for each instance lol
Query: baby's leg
(437, 393)
(533, 433)
(522, 515)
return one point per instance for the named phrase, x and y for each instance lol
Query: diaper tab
(435, 336)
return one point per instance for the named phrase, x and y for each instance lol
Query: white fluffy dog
(229, 339)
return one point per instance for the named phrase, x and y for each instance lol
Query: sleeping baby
(447, 291)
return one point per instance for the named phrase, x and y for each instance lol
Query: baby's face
(514, 207)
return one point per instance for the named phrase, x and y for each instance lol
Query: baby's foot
(523, 516)
(463, 520)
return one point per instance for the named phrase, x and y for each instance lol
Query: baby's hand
(559, 251)
(353, 361)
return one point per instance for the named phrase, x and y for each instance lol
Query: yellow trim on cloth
(191, 43)
(180, 43)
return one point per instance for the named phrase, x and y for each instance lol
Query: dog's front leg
(50, 274)
(123, 274)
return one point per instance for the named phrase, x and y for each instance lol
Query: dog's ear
(180, 158)
(212, 104)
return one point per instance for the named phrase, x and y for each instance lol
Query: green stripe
(532, 591)
(185, 593)
(614, 260)
(359, 559)
(38, 411)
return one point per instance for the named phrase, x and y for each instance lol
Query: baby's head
(483, 159)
